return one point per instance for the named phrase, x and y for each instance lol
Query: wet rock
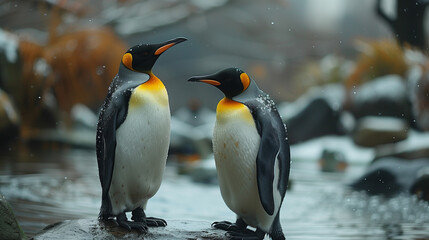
(418, 79)
(317, 113)
(384, 96)
(392, 176)
(191, 132)
(372, 131)
(83, 117)
(95, 229)
(415, 146)
(332, 161)
(316, 119)
(9, 227)
(9, 118)
(203, 171)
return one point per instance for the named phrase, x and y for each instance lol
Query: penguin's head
(142, 57)
(231, 81)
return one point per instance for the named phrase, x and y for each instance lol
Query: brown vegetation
(377, 58)
(74, 67)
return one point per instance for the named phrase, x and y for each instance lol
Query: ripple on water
(66, 186)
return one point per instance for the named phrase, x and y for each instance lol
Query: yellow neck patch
(151, 91)
(228, 108)
(153, 84)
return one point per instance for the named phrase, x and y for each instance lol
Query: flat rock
(372, 131)
(95, 229)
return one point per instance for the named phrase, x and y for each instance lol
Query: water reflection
(46, 187)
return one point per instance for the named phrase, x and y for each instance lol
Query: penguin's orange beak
(168, 44)
(209, 81)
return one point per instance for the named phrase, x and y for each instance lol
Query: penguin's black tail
(276, 229)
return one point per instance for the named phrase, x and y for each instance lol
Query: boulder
(332, 161)
(391, 176)
(415, 146)
(9, 227)
(371, 131)
(9, 117)
(384, 96)
(317, 113)
(95, 229)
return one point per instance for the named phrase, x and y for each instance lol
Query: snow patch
(9, 45)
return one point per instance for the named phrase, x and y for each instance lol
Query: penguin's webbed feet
(247, 234)
(238, 226)
(122, 220)
(138, 215)
(238, 230)
(225, 225)
(155, 222)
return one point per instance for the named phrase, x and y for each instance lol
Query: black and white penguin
(133, 135)
(251, 153)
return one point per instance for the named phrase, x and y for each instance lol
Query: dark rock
(420, 186)
(9, 118)
(316, 114)
(95, 229)
(418, 79)
(332, 161)
(391, 176)
(372, 131)
(9, 227)
(83, 117)
(415, 146)
(384, 96)
(315, 120)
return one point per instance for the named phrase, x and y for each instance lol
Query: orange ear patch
(245, 80)
(127, 60)
(163, 48)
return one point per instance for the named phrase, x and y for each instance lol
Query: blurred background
(350, 80)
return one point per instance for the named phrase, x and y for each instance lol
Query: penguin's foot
(138, 215)
(156, 222)
(225, 225)
(122, 220)
(240, 225)
(247, 234)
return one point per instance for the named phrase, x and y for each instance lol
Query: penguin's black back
(112, 114)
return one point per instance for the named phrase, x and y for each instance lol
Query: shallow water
(47, 187)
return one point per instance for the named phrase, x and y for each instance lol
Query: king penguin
(133, 136)
(252, 155)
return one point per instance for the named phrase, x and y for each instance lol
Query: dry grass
(74, 67)
(377, 58)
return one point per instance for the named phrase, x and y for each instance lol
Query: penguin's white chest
(236, 145)
(141, 150)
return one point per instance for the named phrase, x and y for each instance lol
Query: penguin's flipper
(267, 155)
(272, 148)
(111, 118)
(106, 145)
